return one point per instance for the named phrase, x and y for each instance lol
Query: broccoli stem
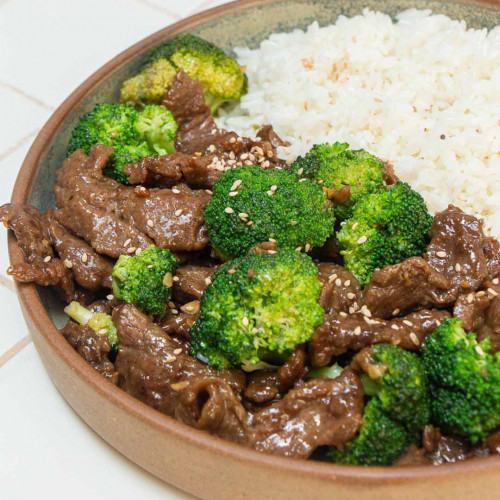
(325, 371)
(79, 313)
(370, 386)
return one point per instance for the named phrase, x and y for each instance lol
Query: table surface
(46, 52)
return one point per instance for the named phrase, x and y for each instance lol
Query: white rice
(423, 93)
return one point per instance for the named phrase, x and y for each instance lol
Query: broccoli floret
(145, 279)
(398, 408)
(133, 134)
(257, 308)
(337, 167)
(100, 322)
(464, 381)
(220, 75)
(386, 227)
(268, 204)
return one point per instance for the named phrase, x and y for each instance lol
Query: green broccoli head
(336, 166)
(398, 407)
(386, 227)
(257, 308)
(464, 381)
(250, 205)
(145, 279)
(101, 323)
(132, 134)
(220, 76)
(380, 441)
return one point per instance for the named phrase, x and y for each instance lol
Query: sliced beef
(471, 308)
(441, 449)
(404, 287)
(198, 134)
(389, 176)
(90, 270)
(107, 233)
(191, 283)
(327, 412)
(491, 251)
(264, 386)
(491, 323)
(340, 334)
(198, 172)
(340, 288)
(92, 348)
(267, 133)
(456, 250)
(173, 220)
(178, 323)
(41, 266)
(161, 373)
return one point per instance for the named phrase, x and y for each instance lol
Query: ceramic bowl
(185, 457)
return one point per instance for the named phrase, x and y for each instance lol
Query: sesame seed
(233, 193)
(366, 311)
(244, 156)
(479, 350)
(85, 257)
(300, 171)
(351, 295)
(68, 264)
(332, 277)
(231, 271)
(170, 360)
(347, 282)
(470, 298)
(174, 311)
(211, 148)
(298, 249)
(229, 210)
(177, 351)
(47, 259)
(236, 184)
(191, 307)
(150, 266)
(408, 323)
(342, 314)
(138, 251)
(178, 212)
(245, 321)
(208, 191)
(362, 240)
(102, 331)
(243, 216)
(129, 250)
(272, 240)
(352, 310)
(441, 253)
(357, 330)
(270, 193)
(176, 278)
(150, 223)
(303, 179)
(274, 187)
(480, 294)
(179, 386)
(272, 251)
(490, 290)
(168, 280)
(208, 281)
(414, 338)
(307, 247)
(338, 282)
(171, 305)
(250, 222)
(395, 327)
(110, 296)
(127, 242)
(395, 312)
(232, 140)
(495, 281)
(176, 191)
(458, 267)
(293, 222)
(355, 225)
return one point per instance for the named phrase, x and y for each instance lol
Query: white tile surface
(47, 48)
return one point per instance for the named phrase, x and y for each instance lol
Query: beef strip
(340, 334)
(456, 250)
(441, 449)
(404, 287)
(471, 309)
(177, 324)
(264, 386)
(41, 266)
(92, 348)
(491, 251)
(389, 176)
(198, 172)
(106, 214)
(327, 412)
(160, 372)
(197, 132)
(191, 283)
(90, 270)
(340, 288)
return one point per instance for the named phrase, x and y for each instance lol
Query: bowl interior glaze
(236, 24)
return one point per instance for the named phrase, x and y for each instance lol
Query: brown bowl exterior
(185, 457)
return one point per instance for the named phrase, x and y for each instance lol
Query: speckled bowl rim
(38, 315)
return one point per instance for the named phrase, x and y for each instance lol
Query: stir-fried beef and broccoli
(307, 308)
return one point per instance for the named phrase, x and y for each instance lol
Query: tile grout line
(24, 94)
(203, 6)
(14, 350)
(151, 5)
(18, 144)
(7, 283)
